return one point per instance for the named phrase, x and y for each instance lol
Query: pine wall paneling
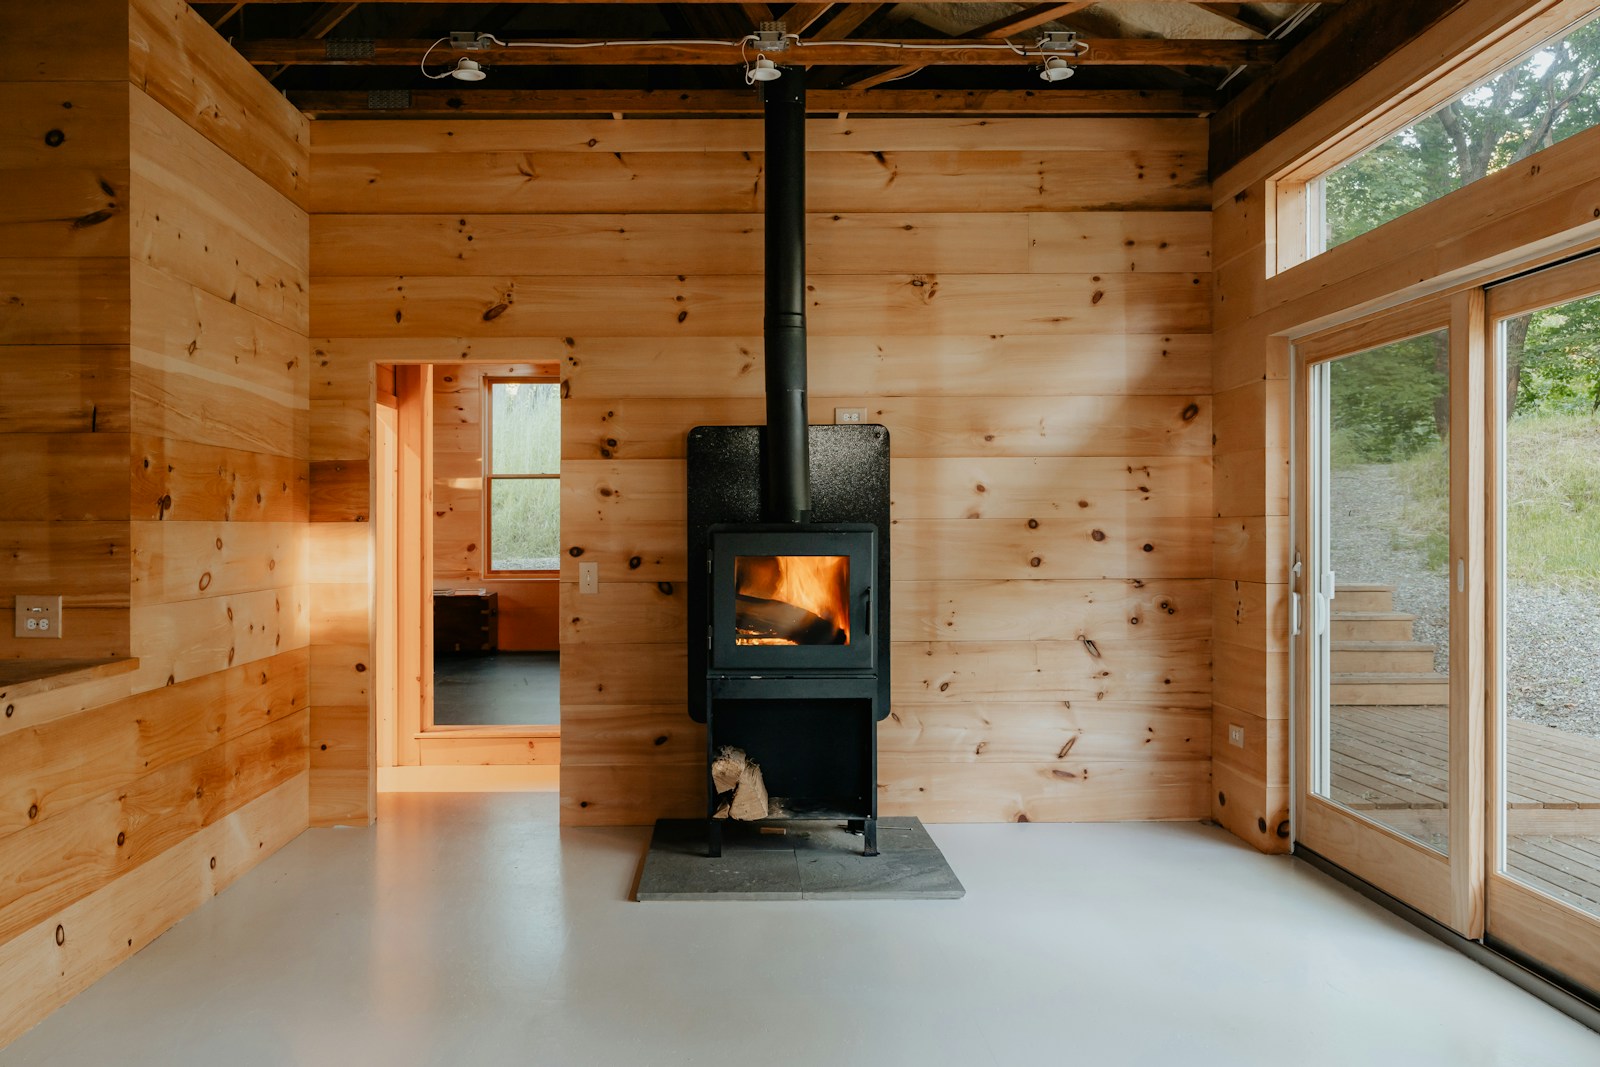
(172, 429)
(1264, 296)
(64, 411)
(1025, 304)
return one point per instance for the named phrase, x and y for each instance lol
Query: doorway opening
(466, 583)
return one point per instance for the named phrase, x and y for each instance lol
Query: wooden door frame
(1520, 917)
(413, 754)
(1449, 889)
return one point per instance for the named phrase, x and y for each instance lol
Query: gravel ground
(1553, 647)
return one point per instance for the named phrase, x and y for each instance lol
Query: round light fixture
(765, 70)
(468, 70)
(1056, 69)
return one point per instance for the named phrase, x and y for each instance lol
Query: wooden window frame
(1449, 889)
(1290, 197)
(489, 478)
(1520, 916)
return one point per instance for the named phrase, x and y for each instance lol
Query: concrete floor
(465, 929)
(503, 689)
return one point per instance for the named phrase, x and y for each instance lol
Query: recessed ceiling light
(468, 70)
(1056, 69)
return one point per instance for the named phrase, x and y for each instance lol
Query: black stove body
(788, 548)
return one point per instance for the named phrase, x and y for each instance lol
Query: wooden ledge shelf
(26, 677)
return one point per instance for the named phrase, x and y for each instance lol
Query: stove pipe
(788, 453)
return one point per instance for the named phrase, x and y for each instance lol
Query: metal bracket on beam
(469, 41)
(388, 99)
(348, 48)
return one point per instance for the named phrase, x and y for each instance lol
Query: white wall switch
(38, 616)
(851, 415)
(588, 577)
(1235, 735)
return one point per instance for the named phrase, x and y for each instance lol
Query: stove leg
(713, 838)
(869, 837)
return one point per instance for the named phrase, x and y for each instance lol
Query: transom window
(1547, 95)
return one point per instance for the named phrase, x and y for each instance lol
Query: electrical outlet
(588, 577)
(38, 616)
(1235, 735)
(850, 415)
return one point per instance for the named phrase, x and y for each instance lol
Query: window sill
(27, 677)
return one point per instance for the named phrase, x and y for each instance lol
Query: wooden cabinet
(466, 622)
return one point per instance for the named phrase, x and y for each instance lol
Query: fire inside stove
(792, 600)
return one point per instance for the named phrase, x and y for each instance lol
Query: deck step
(1390, 690)
(1372, 625)
(1386, 657)
(1359, 597)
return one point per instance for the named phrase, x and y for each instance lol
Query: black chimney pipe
(788, 453)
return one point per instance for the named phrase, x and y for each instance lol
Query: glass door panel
(1382, 612)
(1385, 744)
(1545, 871)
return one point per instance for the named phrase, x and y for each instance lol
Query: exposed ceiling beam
(1238, 14)
(757, 13)
(801, 17)
(539, 3)
(228, 13)
(1026, 19)
(846, 22)
(484, 103)
(941, 52)
(324, 22)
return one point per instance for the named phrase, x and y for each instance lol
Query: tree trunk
(1516, 337)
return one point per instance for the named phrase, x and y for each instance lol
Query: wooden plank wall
(1024, 303)
(64, 335)
(529, 607)
(1265, 296)
(127, 802)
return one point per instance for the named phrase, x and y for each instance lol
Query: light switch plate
(588, 577)
(849, 415)
(1235, 735)
(38, 616)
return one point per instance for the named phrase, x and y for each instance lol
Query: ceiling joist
(484, 103)
(939, 52)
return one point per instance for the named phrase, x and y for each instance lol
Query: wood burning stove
(789, 622)
(789, 613)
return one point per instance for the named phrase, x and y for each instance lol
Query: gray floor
(469, 930)
(503, 689)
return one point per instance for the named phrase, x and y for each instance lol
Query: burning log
(763, 621)
(742, 792)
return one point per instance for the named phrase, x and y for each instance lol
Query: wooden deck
(1390, 764)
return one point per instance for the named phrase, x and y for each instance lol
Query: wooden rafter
(443, 103)
(1026, 19)
(941, 52)
(847, 21)
(540, 3)
(1238, 14)
(231, 10)
(801, 17)
(324, 22)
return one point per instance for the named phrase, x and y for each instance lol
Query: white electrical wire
(423, 65)
(744, 42)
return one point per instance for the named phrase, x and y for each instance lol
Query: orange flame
(819, 585)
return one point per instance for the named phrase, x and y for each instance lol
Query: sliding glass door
(1544, 632)
(1390, 743)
